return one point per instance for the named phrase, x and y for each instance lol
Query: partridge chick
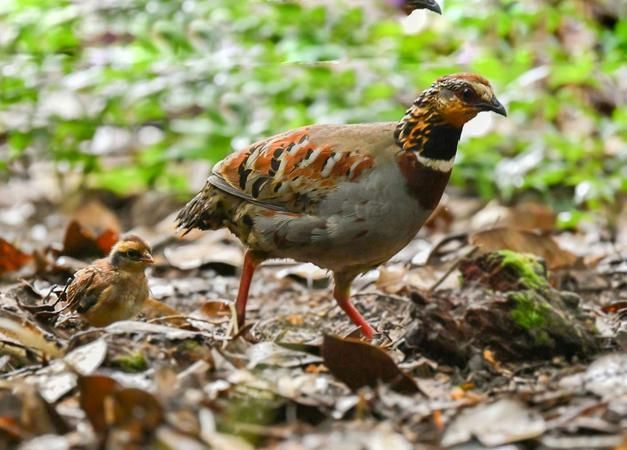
(113, 288)
(344, 197)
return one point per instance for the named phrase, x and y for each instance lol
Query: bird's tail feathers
(202, 212)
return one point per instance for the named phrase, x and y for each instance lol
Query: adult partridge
(344, 197)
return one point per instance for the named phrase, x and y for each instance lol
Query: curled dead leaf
(37, 415)
(12, 258)
(96, 216)
(360, 364)
(615, 308)
(441, 219)
(502, 422)
(27, 334)
(214, 309)
(93, 390)
(527, 215)
(135, 409)
(211, 250)
(522, 241)
(107, 404)
(80, 242)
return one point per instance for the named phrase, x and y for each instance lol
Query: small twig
(382, 294)
(26, 348)
(72, 341)
(171, 317)
(452, 268)
(260, 430)
(63, 294)
(443, 242)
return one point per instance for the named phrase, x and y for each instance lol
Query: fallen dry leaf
(392, 279)
(37, 415)
(607, 376)
(16, 328)
(311, 275)
(533, 216)
(87, 358)
(271, 354)
(217, 249)
(93, 391)
(523, 216)
(144, 328)
(441, 219)
(80, 242)
(24, 414)
(524, 242)
(10, 429)
(214, 309)
(502, 422)
(360, 364)
(108, 405)
(154, 309)
(135, 409)
(615, 308)
(95, 216)
(12, 258)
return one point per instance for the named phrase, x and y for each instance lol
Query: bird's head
(131, 253)
(431, 5)
(433, 125)
(455, 99)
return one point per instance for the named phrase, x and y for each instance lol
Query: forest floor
(478, 348)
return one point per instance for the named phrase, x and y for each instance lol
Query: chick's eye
(133, 254)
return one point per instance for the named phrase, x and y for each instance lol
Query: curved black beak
(431, 5)
(494, 106)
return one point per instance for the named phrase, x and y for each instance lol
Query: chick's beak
(495, 106)
(147, 258)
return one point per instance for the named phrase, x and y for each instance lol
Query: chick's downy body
(114, 288)
(344, 197)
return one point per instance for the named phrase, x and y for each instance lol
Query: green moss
(532, 313)
(527, 267)
(528, 312)
(190, 345)
(131, 362)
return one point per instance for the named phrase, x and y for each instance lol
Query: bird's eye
(133, 254)
(468, 94)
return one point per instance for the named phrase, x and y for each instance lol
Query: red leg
(341, 292)
(251, 262)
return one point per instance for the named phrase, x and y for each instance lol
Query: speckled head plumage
(131, 253)
(460, 97)
(432, 126)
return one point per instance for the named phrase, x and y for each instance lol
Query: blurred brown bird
(408, 6)
(114, 288)
(345, 197)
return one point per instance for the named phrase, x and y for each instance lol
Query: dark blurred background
(136, 95)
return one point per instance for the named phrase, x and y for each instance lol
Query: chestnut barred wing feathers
(291, 172)
(220, 183)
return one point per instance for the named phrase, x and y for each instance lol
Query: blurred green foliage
(129, 91)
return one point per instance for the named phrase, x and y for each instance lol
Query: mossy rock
(506, 305)
(505, 270)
